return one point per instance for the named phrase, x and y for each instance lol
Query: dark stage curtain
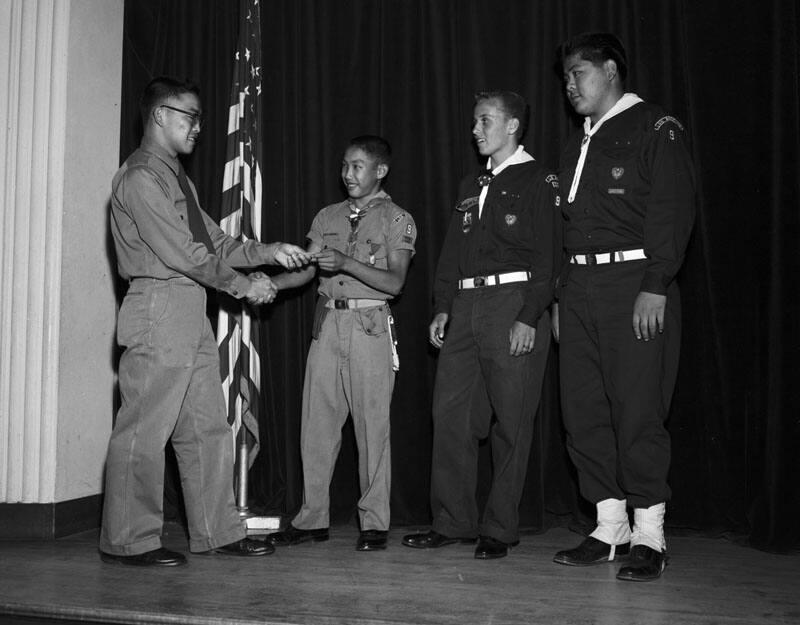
(407, 69)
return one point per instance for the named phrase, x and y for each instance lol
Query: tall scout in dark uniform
(493, 288)
(628, 212)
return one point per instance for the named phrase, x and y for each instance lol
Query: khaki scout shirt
(385, 227)
(151, 232)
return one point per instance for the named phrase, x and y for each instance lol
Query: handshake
(262, 289)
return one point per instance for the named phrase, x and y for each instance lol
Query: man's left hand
(648, 315)
(521, 337)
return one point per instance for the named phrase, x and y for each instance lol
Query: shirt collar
(520, 156)
(623, 104)
(379, 198)
(151, 146)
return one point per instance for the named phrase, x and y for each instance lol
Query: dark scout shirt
(636, 191)
(516, 232)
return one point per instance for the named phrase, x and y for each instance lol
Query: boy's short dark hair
(161, 88)
(512, 103)
(597, 48)
(376, 147)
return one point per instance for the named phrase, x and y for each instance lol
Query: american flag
(237, 333)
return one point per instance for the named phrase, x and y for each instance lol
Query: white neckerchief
(624, 103)
(520, 156)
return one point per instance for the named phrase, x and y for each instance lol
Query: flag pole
(238, 334)
(242, 486)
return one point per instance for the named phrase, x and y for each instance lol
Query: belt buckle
(591, 259)
(479, 281)
(340, 304)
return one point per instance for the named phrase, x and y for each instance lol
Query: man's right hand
(262, 290)
(436, 330)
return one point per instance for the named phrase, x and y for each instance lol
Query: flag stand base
(257, 524)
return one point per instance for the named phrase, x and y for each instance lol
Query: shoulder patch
(553, 180)
(464, 205)
(666, 119)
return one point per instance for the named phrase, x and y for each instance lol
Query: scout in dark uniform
(492, 292)
(628, 208)
(363, 247)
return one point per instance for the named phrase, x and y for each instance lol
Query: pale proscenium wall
(60, 74)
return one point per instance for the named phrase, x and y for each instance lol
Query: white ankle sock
(613, 526)
(648, 527)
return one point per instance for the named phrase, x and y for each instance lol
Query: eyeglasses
(196, 118)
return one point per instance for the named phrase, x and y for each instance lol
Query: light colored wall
(88, 302)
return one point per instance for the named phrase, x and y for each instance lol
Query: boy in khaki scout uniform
(363, 247)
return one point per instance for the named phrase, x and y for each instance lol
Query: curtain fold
(407, 69)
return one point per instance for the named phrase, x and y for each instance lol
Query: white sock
(648, 527)
(613, 527)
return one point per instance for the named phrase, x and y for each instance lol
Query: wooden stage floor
(708, 581)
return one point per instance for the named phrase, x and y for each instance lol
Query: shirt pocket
(371, 252)
(617, 169)
(333, 241)
(180, 210)
(508, 214)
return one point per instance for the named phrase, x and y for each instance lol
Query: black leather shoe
(432, 540)
(371, 540)
(490, 548)
(591, 551)
(645, 565)
(156, 557)
(244, 547)
(293, 536)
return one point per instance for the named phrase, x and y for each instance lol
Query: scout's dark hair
(597, 48)
(161, 88)
(513, 104)
(377, 147)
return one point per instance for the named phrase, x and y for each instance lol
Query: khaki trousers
(170, 389)
(349, 371)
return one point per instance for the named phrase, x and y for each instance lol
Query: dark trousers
(476, 378)
(615, 389)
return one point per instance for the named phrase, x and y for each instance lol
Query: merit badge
(373, 248)
(511, 220)
(617, 172)
(466, 223)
